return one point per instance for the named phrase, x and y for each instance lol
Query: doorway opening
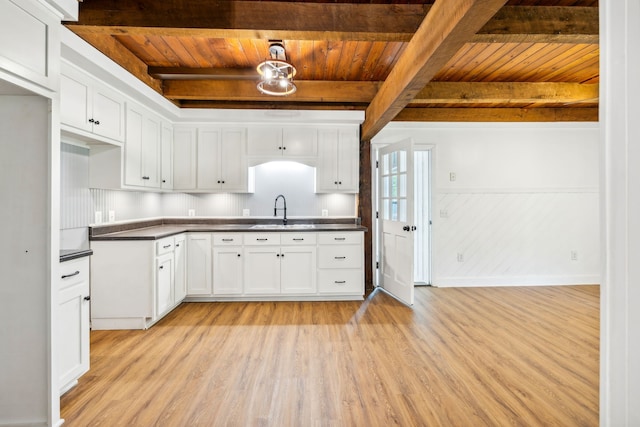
(422, 216)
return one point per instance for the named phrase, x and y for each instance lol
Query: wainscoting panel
(531, 238)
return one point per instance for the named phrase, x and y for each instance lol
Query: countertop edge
(198, 228)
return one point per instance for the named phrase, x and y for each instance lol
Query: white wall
(525, 197)
(620, 291)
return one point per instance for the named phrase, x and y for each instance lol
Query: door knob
(406, 228)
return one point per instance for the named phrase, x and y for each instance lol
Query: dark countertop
(69, 254)
(155, 230)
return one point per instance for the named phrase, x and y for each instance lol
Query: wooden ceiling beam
(123, 57)
(500, 93)
(331, 21)
(245, 90)
(497, 115)
(445, 29)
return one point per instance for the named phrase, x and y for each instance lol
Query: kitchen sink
(282, 227)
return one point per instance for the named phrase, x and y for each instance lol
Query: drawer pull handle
(87, 298)
(298, 239)
(166, 246)
(340, 282)
(227, 240)
(339, 238)
(262, 240)
(66, 276)
(340, 257)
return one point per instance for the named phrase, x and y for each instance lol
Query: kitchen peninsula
(141, 270)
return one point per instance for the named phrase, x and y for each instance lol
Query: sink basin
(282, 227)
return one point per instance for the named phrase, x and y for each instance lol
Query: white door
(396, 220)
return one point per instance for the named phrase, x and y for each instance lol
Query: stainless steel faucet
(276, 209)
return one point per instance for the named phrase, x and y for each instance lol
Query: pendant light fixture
(276, 74)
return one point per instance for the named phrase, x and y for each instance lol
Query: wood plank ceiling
(410, 60)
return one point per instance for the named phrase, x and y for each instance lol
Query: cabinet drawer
(74, 271)
(298, 238)
(340, 238)
(164, 246)
(340, 282)
(227, 239)
(340, 256)
(253, 239)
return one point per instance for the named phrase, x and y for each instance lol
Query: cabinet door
(264, 141)
(73, 332)
(261, 270)
(299, 142)
(208, 159)
(180, 269)
(327, 166)
(108, 113)
(75, 100)
(133, 172)
(298, 269)
(164, 284)
(184, 158)
(227, 270)
(233, 160)
(166, 155)
(348, 158)
(199, 264)
(151, 151)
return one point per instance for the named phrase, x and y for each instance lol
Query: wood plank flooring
(526, 356)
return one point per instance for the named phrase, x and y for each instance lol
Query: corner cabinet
(338, 161)
(73, 322)
(135, 283)
(89, 109)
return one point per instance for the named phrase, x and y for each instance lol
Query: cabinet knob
(279, 148)
(97, 122)
(278, 255)
(91, 121)
(87, 298)
(218, 181)
(238, 255)
(335, 182)
(223, 182)
(340, 182)
(284, 148)
(161, 267)
(164, 180)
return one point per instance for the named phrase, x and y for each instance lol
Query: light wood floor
(459, 357)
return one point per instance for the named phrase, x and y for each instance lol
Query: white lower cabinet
(227, 264)
(180, 267)
(199, 279)
(133, 282)
(73, 322)
(340, 263)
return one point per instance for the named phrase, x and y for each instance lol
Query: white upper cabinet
(338, 161)
(184, 158)
(166, 165)
(281, 143)
(89, 108)
(210, 159)
(142, 148)
(30, 42)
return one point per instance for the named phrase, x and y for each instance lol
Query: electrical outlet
(574, 255)
(245, 212)
(325, 212)
(97, 217)
(452, 176)
(192, 212)
(112, 216)
(460, 257)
